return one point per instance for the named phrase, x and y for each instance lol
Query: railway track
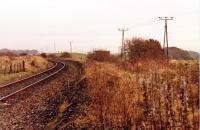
(9, 90)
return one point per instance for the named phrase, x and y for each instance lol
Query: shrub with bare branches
(141, 49)
(65, 55)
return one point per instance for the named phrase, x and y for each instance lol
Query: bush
(65, 55)
(141, 49)
(44, 55)
(7, 54)
(23, 54)
(52, 56)
(33, 63)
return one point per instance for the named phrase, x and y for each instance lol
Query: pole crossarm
(166, 18)
(123, 29)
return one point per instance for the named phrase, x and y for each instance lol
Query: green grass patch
(79, 56)
(13, 77)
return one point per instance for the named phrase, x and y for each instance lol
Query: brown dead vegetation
(157, 98)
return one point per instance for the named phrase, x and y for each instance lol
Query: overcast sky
(90, 24)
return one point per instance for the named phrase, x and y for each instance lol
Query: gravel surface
(25, 113)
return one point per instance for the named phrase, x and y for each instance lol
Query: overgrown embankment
(143, 96)
(70, 105)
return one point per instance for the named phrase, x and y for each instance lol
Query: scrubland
(142, 90)
(146, 95)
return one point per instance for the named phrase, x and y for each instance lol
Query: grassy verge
(79, 56)
(33, 64)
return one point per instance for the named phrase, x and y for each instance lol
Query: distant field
(76, 56)
(79, 56)
(33, 64)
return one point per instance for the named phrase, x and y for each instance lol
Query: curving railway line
(9, 90)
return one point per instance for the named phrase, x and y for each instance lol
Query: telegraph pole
(166, 42)
(70, 47)
(123, 49)
(166, 34)
(46, 49)
(54, 47)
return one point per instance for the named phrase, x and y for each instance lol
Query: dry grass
(139, 96)
(33, 64)
(114, 94)
(81, 57)
(57, 120)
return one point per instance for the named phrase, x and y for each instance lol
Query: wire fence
(13, 67)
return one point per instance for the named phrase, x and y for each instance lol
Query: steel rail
(28, 86)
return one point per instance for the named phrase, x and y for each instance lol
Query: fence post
(17, 67)
(14, 67)
(5, 70)
(10, 71)
(23, 65)
(0, 68)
